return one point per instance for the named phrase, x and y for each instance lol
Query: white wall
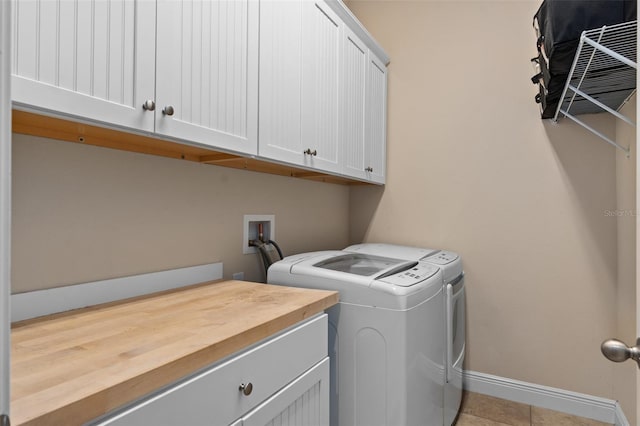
(82, 213)
(472, 168)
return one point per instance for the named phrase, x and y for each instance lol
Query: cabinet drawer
(213, 397)
(304, 402)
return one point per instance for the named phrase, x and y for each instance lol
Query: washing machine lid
(366, 269)
(449, 262)
(363, 264)
(392, 250)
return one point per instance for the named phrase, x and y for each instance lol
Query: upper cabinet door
(280, 130)
(376, 123)
(354, 144)
(207, 72)
(300, 48)
(364, 100)
(321, 112)
(90, 59)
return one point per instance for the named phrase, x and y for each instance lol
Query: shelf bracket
(596, 132)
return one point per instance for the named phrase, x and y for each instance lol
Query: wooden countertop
(69, 368)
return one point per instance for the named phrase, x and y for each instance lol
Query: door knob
(149, 105)
(618, 351)
(168, 110)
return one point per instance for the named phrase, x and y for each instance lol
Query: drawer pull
(309, 152)
(246, 389)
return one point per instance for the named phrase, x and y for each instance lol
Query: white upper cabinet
(100, 60)
(321, 47)
(376, 120)
(298, 82)
(300, 47)
(354, 142)
(364, 103)
(90, 59)
(207, 72)
(322, 90)
(280, 127)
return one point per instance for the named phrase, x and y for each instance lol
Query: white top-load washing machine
(451, 265)
(386, 335)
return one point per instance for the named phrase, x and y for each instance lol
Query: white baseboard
(49, 301)
(621, 419)
(577, 404)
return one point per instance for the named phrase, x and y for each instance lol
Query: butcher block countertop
(69, 368)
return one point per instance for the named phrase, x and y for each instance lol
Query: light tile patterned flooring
(483, 410)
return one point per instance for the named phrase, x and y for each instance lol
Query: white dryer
(453, 275)
(386, 336)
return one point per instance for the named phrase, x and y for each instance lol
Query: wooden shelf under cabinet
(29, 123)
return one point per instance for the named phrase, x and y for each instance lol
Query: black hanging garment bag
(558, 25)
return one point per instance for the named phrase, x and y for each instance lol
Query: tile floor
(483, 410)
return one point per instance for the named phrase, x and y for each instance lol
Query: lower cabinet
(282, 379)
(304, 402)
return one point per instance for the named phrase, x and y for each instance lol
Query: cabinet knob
(168, 110)
(309, 152)
(246, 388)
(369, 169)
(149, 105)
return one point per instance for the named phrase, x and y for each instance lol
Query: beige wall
(82, 213)
(637, 259)
(472, 168)
(624, 385)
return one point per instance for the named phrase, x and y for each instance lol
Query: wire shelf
(603, 75)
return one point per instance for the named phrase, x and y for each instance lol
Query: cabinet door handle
(309, 152)
(149, 105)
(168, 110)
(246, 388)
(369, 169)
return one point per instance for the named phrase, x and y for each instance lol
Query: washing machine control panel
(411, 276)
(441, 258)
